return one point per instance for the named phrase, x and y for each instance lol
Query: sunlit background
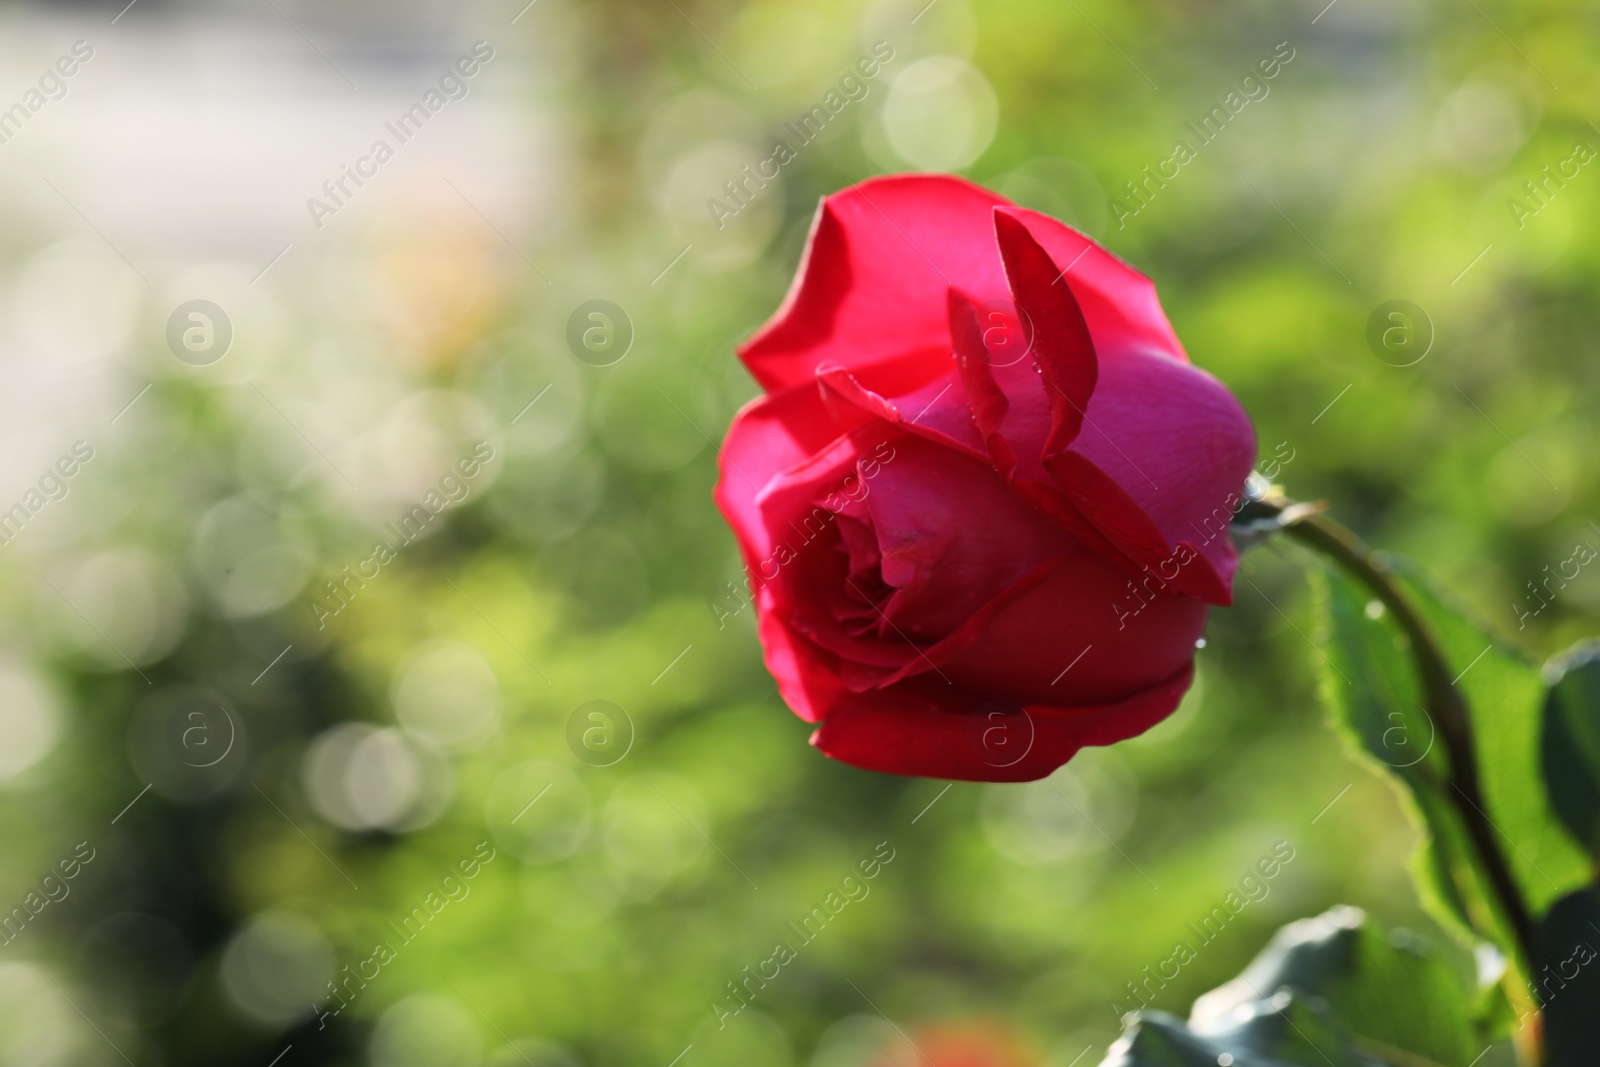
(274, 797)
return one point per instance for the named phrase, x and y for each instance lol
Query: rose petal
(1180, 568)
(807, 677)
(800, 565)
(1178, 442)
(929, 730)
(952, 536)
(1033, 649)
(989, 403)
(1018, 421)
(955, 545)
(936, 409)
(1061, 349)
(769, 435)
(881, 255)
(1118, 302)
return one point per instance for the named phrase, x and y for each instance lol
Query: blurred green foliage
(588, 564)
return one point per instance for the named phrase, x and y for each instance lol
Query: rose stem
(1444, 700)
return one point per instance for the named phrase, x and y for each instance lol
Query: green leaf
(1391, 990)
(1505, 691)
(1283, 1031)
(1568, 979)
(1572, 745)
(1371, 685)
(1371, 688)
(1335, 989)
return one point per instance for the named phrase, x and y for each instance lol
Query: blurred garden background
(311, 818)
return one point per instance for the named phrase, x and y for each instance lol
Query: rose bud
(984, 502)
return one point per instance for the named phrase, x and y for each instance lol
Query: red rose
(984, 502)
